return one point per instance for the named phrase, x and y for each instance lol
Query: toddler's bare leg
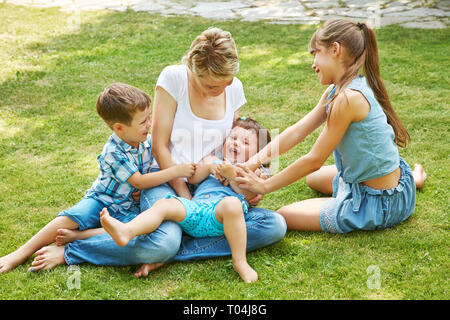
(146, 222)
(43, 238)
(229, 213)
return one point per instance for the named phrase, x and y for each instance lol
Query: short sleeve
(121, 167)
(170, 80)
(237, 99)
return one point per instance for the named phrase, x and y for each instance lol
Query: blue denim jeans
(167, 243)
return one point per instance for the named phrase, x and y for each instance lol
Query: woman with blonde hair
(195, 104)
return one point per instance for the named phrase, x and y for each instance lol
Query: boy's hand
(136, 196)
(186, 169)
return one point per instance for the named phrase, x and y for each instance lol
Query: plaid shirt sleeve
(121, 166)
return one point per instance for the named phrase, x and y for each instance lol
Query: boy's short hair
(262, 133)
(119, 101)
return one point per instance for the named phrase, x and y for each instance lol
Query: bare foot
(245, 271)
(146, 268)
(419, 175)
(11, 261)
(48, 258)
(66, 235)
(116, 229)
(226, 170)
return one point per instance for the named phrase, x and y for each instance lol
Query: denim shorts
(355, 206)
(201, 219)
(86, 213)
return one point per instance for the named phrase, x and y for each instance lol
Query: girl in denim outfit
(373, 188)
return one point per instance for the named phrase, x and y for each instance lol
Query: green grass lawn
(50, 136)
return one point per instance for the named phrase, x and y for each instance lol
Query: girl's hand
(248, 180)
(263, 175)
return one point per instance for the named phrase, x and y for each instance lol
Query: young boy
(214, 209)
(124, 165)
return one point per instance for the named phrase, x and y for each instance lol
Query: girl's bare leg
(419, 175)
(68, 235)
(322, 179)
(229, 213)
(303, 215)
(146, 222)
(43, 238)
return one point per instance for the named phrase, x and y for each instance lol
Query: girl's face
(211, 87)
(325, 65)
(240, 145)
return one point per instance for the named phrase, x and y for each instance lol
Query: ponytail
(372, 72)
(362, 50)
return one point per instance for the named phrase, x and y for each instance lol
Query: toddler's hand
(186, 169)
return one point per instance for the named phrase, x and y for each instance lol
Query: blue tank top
(367, 149)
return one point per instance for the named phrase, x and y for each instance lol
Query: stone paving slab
(432, 14)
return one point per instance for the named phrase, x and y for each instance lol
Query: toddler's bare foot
(146, 268)
(419, 175)
(245, 271)
(116, 229)
(226, 169)
(48, 258)
(12, 260)
(66, 235)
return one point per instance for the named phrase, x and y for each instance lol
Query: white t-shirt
(192, 137)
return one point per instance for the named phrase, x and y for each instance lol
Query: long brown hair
(361, 46)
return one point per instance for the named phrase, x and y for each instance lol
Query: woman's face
(212, 87)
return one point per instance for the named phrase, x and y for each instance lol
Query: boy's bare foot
(419, 175)
(48, 258)
(66, 235)
(146, 268)
(12, 260)
(245, 271)
(116, 229)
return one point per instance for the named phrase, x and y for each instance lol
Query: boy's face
(138, 129)
(240, 145)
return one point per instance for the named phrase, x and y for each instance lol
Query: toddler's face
(240, 145)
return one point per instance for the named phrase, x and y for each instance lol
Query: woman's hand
(249, 180)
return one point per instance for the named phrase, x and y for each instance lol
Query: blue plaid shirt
(117, 162)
